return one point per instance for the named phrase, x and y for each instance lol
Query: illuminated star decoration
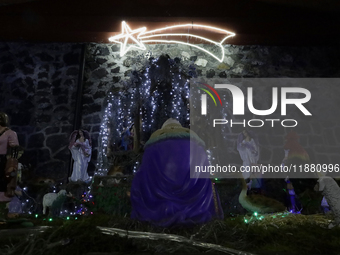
(176, 34)
(127, 34)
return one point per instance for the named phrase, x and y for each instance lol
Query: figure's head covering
(171, 121)
(73, 137)
(241, 137)
(295, 149)
(292, 136)
(172, 129)
(4, 119)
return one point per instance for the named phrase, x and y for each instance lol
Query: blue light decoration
(159, 92)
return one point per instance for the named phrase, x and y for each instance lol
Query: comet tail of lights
(172, 34)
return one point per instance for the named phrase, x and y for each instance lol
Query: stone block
(193, 58)
(27, 70)
(63, 155)
(94, 137)
(43, 118)
(30, 157)
(91, 108)
(99, 86)
(277, 156)
(71, 58)
(334, 159)
(311, 154)
(97, 119)
(95, 128)
(111, 64)
(322, 159)
(70, 82)
(222, 75)
(44, 155)
(265, 154)
(201, 62)
(276, 141)
(115, 48)
(61, 100)
(92, 65)
(337, 134)
(22, 54)
(87, 120)
(43, 85)
(58, 66)
(87, 99)
(329, 137)
(234, 158)
(7, 68)
(28, 81)
(22, 140)
(67, 129)
(238, 69)
(45, 57)
(101, 61)
(115, 70)
(128, 62)
(56, 91)
(99, 94)
(185, 55)
(328, 124)
(100, 73)
(72, 71)
(210, 73)
(303, 140)
(36, 141)
(316, 127)
(63, 117)
(52, 130)
(304, 127)
(326, 149)
(223, 66)
(52, 169)
(127, 73)
(56, 142)
(229, 61)
(56, 83)
(19, 93)
(315, 140)
(61, 108)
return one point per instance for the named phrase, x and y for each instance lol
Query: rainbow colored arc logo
(209, 93)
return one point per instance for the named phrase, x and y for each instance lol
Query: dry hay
(288, 219)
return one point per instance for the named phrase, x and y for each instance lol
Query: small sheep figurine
(330, 189)
(49, 198)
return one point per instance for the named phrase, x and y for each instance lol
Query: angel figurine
(248, 147)
(81, 149)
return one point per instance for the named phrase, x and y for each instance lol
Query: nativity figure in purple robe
(163, 192)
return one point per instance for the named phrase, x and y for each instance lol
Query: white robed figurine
(81, 149)
(248, 147)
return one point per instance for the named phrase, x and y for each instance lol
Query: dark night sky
(266, 22)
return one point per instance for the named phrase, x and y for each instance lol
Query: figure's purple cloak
(162, 191)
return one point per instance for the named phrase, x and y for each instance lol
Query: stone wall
(38, 86)
(105, 70)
